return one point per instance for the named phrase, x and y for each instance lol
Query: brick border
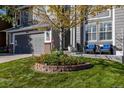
(47, 68)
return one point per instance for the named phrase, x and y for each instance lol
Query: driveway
(10, 57)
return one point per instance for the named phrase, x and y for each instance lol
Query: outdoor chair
(90, 48)
(107, 47)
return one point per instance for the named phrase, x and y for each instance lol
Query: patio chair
(107, 47)
(91, 48)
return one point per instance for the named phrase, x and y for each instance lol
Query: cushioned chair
(107, 47)
(91, 48)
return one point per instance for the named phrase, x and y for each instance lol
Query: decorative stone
(48, 68)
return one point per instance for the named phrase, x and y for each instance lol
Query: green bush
(58, 58)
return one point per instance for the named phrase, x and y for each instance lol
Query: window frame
(105, 31)
(91, 32)
(25, 17)
(50, 36)
(18, 17)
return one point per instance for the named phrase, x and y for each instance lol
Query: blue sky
(2, 11)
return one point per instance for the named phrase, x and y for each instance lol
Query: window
(18, 18)
(91, 31)
(47, 36)
(105, 31)
(25, 16)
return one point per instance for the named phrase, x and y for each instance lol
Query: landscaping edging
(47, 68)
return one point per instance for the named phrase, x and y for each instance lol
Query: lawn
(20, 74)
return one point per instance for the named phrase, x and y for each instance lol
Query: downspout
(123, 47)
(113, 29)
(75, 29)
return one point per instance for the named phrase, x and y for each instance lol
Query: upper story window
(105, 31)
(18, 18)
(91, 31)
(25, 15)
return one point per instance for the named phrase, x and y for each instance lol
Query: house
(25, 37)
(105, 27)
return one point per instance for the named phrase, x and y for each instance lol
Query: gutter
(25, 28)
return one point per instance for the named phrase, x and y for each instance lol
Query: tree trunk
(60, 42)
(61, 39)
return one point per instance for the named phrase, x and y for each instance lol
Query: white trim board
(110, 14)
(45, 39)
(25, 28)
(113, 26)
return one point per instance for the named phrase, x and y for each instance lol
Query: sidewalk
(10, 57)
(117, 58)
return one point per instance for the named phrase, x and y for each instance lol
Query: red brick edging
(47, 68)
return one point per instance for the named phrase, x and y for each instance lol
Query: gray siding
(78, 34)
(119, 28)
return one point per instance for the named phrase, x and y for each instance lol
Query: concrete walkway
(10, 57)
(117, 58)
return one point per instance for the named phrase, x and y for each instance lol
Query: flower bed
(59, 62)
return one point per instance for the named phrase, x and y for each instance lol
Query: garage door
(29, 43)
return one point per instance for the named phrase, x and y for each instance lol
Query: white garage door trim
(22, 33)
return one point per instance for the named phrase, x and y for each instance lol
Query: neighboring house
(107, 26)
(25, 38)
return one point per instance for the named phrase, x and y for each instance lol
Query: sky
(2, 11)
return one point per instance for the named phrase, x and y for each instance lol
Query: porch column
(113, 25)
(7, 43)
(72, 37)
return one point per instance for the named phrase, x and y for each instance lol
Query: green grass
(20, 74)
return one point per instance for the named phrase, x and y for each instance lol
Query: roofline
(25, 28)
(25, 6)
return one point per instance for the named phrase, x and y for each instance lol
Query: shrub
(58, 58)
